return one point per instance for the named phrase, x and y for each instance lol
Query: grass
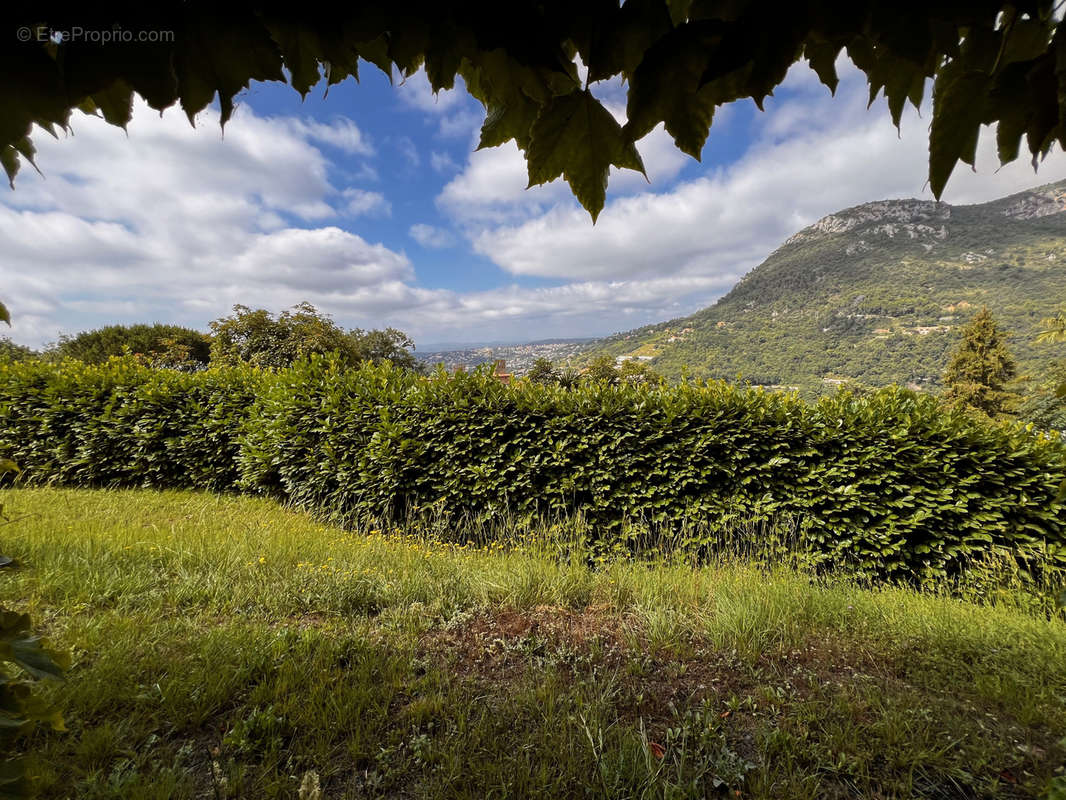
(224, 647)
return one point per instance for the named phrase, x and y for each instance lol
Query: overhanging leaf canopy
(990, 62)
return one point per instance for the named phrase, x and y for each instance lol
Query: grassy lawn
(224, 647)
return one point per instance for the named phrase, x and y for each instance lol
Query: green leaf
(28, 653)
(668, 87)
(513, 120)
(1026, 40)
(957, 116)
(822, 57)
(5, 315)
(576, 137)
(223, 52)
(10, 159)
(679, 10)
(300, 49)
(115, 103)
(620, 47)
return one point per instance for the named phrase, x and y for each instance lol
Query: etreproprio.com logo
(43, 34)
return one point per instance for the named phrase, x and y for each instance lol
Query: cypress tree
(980, 368)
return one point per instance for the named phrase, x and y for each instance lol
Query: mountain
(876, 294)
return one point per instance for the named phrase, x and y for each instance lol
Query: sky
(372, 203)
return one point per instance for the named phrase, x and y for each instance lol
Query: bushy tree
(1046, 403)
(96, 346)
(601, 369)
(388, 344)
(633, 371)
(258, 338)
(10, 351)
(543, 371)
(980, 368)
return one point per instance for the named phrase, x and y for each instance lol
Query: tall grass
(228, 647)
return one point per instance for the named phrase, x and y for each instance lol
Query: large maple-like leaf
(576, 137)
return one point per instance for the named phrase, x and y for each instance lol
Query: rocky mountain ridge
(874, 294)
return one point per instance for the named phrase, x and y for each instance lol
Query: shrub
(97, 346)
(124, 424)
(890, 482)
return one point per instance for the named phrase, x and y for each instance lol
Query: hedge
(891, 481)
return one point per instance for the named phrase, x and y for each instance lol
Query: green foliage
(991, 63)
(633, 371)
(10, 351)
(124, 423)
(889, 483)
(1053, 329)
(258, 339)
(543, 371)
(980, 368)
(154, 342)
(23, 662)
(601, 370)
(1046, 406)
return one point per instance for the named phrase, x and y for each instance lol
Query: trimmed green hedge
(891, 482)
(122, 424)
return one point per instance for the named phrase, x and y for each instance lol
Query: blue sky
(372, 204)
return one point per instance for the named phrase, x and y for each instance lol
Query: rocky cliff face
(1042, 202)
(910, 217)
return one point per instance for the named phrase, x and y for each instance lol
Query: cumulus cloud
(407, 149)
(173, 223)
(455, 113)
(442, 162)
(416, 92)
(361, 201)
(431, 236)
(342, 133)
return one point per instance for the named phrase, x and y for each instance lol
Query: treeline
(891, 483)
(246, 337)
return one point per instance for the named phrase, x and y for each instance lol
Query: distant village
(519, 358)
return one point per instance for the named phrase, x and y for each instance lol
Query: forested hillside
(875, 294)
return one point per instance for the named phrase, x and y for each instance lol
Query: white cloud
(342, 133)
(492, 188)
(407, 149)
(442, 162)
(175, 223)
(456, 113)
(430, 236)
(361, 201)
(320, 259)
(416, 92)
(462, 124)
